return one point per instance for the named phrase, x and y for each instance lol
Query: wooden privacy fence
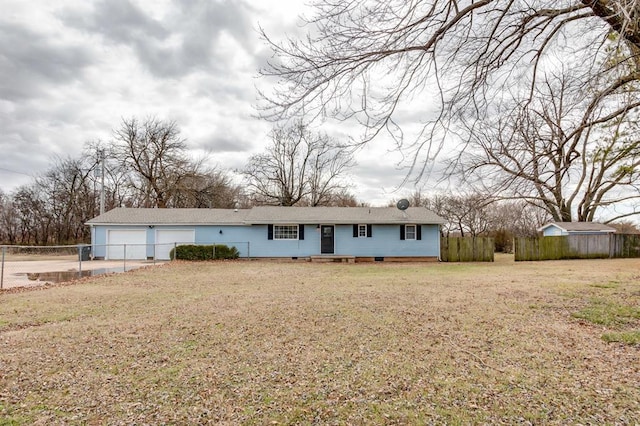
(466, 249)
(577, 247)
(625, 245)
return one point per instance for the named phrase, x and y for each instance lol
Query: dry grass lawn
(299, 343)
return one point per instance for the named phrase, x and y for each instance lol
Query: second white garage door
(131, 241)
(167, 239)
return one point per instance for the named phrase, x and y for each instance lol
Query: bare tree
(206, 189)
(9, 220)
(344, 198)
(478, 214)
(518, 217)
(69, 200)
(117, 191)
(151, 167)
(55, 207)
(482, 214)
(468, 215)
(153, 156)
(515, 218)
(572, 152)
(35, 222)
(299, 167)
(365, 59)
(625, 227)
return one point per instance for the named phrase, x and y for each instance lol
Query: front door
(326, 239)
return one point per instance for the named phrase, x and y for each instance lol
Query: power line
(14, 171)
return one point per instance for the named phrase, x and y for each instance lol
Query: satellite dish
(403, 204)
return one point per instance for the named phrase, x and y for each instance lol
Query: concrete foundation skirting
(333, 258)
(358, 259)
(329, 258)
(398, 259)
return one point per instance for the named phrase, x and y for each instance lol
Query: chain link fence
(156, 252)
(26, 266)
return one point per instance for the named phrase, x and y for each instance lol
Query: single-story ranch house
(557, 229)
(362, 233)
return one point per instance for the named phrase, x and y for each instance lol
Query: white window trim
(276, 237)
(406, 232)
(362, 228)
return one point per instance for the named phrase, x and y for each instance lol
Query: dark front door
(326, 239)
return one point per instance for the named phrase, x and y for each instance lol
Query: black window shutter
(301, 232)
(369, 230)
(402, 232)
(270, 232)
(419, 232)
(355, 231)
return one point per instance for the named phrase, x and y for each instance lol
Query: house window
(410, 232)
(285, 232)
(362, 231)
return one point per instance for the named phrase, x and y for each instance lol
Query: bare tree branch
(367, 60)
(299, 168)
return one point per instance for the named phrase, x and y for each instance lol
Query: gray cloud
(118, 20)
(24, 155)
(223, 144)
(187, 40)
(72, 69)
(31, 61)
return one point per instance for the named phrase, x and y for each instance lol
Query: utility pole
(102, 181)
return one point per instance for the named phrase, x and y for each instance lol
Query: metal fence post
(124, 260)
(248, 249)
(79, 260)
(2, 269)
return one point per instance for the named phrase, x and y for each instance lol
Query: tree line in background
(147, 164)
(482, 215)
(540, 98)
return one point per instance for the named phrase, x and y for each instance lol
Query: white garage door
(131, 241)
(167, 239)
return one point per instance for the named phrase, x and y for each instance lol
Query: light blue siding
(385, 241)
(261, 246)
(553, 231)
(252, 241)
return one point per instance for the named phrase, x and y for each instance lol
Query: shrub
(208, 252)
(225, 252)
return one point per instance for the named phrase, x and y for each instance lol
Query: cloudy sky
(72, 69)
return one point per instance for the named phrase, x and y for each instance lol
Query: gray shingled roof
(581, 226)
(266, 215)
(131, 216)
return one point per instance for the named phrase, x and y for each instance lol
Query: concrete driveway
(27, 273)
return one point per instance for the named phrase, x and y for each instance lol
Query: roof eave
(343, 222)
(591, 231)
(167, 223)
(575, 231)
(549, 225)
